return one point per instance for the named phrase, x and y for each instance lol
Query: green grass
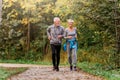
(30, 62)
(7, 72)
(97, 69)
(25, 62)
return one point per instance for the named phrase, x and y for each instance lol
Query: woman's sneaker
(75, 69)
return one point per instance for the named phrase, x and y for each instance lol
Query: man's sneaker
(70, 68)
(54, 68)
(57, 68)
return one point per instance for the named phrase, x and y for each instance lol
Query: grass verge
(97, 69)
(7, 72)
(30, 62)
(25, 62)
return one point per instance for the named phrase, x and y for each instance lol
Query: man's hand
(59, 36)
(49, 37)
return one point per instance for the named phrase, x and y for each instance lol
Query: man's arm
(48, 33)
(62, 33)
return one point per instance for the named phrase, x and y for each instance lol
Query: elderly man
(55, 34)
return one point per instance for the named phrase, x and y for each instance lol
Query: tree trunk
(118, 43)
(28, 37)
(0, 11)
(117, 28)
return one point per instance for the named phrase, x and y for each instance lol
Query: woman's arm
(75, 32)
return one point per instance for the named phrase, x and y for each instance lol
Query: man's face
(57, 22)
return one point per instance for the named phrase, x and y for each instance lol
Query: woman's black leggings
(55, 54)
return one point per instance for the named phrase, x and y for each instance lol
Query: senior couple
(55, 34)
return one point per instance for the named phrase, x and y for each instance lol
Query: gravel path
(38, 72)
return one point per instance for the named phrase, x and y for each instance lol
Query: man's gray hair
(56, 18)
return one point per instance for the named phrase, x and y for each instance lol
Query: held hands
(59, 37)
(69, 37)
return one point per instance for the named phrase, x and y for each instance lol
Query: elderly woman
(70, 35)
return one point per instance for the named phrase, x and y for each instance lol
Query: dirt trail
(38, 72)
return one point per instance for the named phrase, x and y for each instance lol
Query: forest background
(24, 23)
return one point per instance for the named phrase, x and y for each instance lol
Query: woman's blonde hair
(70, 20)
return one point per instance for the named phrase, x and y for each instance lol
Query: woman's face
(70, 24)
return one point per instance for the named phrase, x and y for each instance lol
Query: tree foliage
(96, 22)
